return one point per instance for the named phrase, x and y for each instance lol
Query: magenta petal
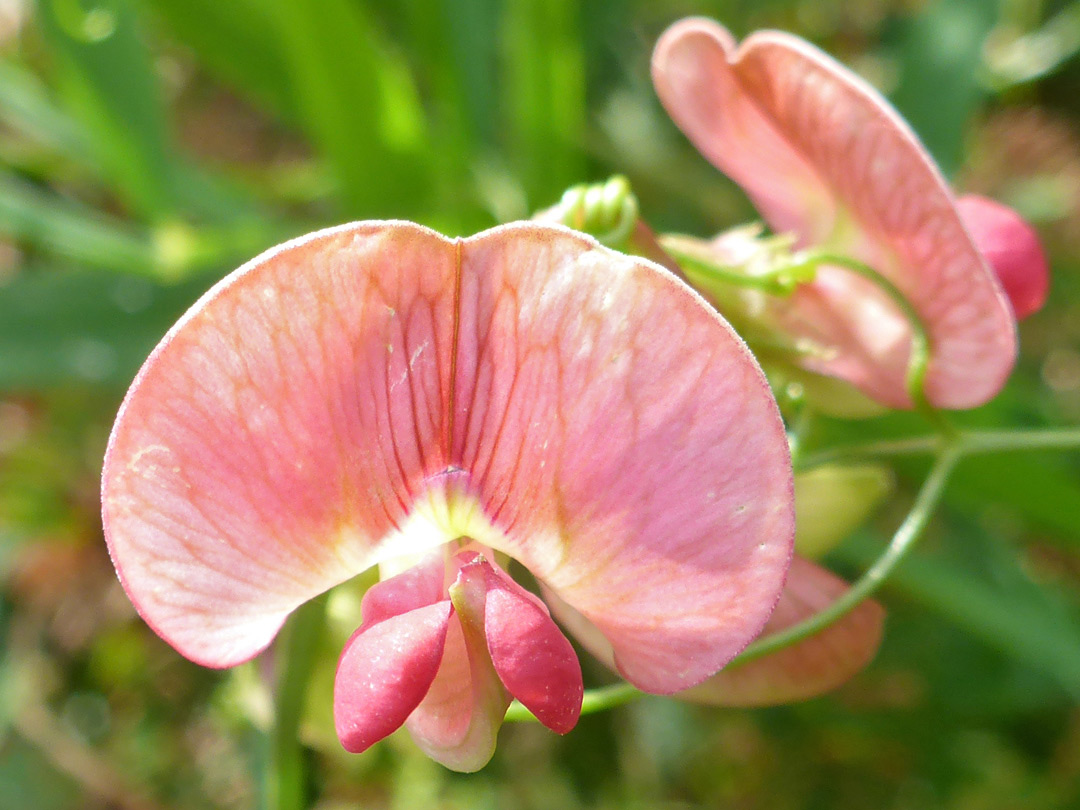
(823, 155)
(384, 673)
(531, 655)
(1012, 248)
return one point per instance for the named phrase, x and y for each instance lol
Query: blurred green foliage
(147, 147)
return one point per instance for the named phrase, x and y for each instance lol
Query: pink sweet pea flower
(378, 394)
(824, 157)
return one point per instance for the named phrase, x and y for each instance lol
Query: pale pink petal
(811, 667)
(1012, 248)
(613, 432)
(385, 671)
(279, 432)
(458, 720)
(805, 670)
(531, 655)
(824, 156)
(623, 441)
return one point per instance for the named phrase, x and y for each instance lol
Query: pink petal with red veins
(613, 432)
(622, 439)
(531, 655)
(384, 673)
(1012, 248)
(811, 667)
(824, 156)
(278, 433)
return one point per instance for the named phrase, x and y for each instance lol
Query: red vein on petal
(448, 436)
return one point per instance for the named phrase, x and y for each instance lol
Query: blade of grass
(25, 106)
(1020, 622)
(69, 230)
(108, 82)
(237, 41)
(543, 63)
(358, 104)
(59, 327)
(105, 74)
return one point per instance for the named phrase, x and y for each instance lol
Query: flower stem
(919, 361)
(595, 700)
(285, 786)
(902, 542)
(968, 442)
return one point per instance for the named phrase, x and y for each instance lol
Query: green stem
(782, 281)
(285, 785)
(968, 442)
(919, 362)
(595, 700)
(994, 441)
(902, 542)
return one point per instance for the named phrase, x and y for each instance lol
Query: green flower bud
(832, 501)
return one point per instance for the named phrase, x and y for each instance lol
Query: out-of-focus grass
(150, 146)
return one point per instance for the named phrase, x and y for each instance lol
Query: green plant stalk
(969, 442)
(595, 700)
(285, 780)
(783, 280)
(919, 361)
(902, 542)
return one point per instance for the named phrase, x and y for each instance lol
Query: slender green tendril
(902, 542)
(970, 442)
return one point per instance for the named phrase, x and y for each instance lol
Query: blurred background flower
(147, 147)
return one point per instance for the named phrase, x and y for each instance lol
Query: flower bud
(1011, 248)
(832, 501)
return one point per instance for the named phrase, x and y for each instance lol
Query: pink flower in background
(824, 157)
(378, 394)
(1012, 248)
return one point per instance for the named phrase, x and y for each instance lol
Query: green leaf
(58, 327)
(108, 82)
(238, 41)
(25, 105)
(940, 51)
(358, 103)
(1000, 606)
(67, 229)
(543, 61)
